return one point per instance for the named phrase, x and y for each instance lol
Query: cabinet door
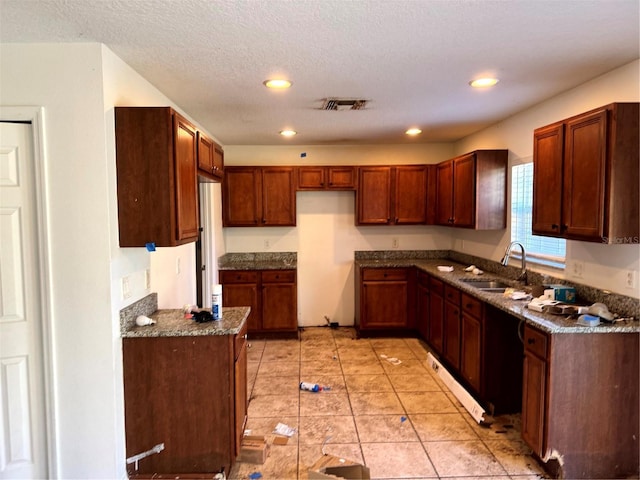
(533, 395)
(278, 196)
(436, 321)
(471, 353)
(374, 196)
(452, 334)
(241, 200)
(423, 311)
(341, 178)
(218, 160)
(384, 304)
(410, 205)
(205, 154)
(444, 193)
(311, 178)
(237, 291)
(279, 301)
(241, 398)
(186, 183)
(464, 191)
(585, 164)
(547, 180)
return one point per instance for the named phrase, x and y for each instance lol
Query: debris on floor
(391, 360)
(284, 430)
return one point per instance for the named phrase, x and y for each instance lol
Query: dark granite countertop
(258, 261)
(171, 323)
(553, 324)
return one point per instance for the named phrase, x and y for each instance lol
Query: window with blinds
(544, 250)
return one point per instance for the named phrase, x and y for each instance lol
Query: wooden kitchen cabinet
(452, 327)
(422, 302)
(580, 402)
(258, 196)
(271, 294)
(327, 178)
(471, 190)
(436, 315)
(189, 393)
(156, 174)
(384, 299)
(586, 171)
(392, 195)
(210, 159)
(241, 397)
(471, 341)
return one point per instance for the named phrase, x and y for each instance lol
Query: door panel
(547, 180)
(22, 416)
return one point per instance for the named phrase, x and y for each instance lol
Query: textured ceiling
(412, 59)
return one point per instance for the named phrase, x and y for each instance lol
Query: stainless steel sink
(486, 285)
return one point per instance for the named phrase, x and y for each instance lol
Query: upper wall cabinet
(585, 184)
(259, 197)
(471, 190)
(210, 159)
(156, 172)
(327, 178)
(392, 195)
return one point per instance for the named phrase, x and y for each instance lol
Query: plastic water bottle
(216, 301)
(310, 387)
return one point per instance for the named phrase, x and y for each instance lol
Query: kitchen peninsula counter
(549, 323)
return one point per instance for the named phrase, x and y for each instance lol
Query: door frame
(35, 116)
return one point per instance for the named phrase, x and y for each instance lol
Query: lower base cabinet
(189, 393)
(580, 402)
(271, 294)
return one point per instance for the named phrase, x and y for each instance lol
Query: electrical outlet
(578, 268)
(267, 244)
(631, 279)
(147, 279)
(395, 243)
(177, 265)
(126, 288)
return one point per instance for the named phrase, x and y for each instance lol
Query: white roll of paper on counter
(216, 301)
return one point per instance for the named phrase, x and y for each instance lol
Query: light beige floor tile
(368, 383)
(357, 354)
(426, 402)
(273, 369)
(375, 403)
(330, 383)
(411, 366)
(321, 403)
(254, 353)
(311, 333)
(324, 353)
(361, 367)
(281, 352)
(273, 406)
(442, 426)
(380, 344)
(414, 383)
(266, 425)
(514, 456)
(266, 385)
(492, 477)
(504, 427)
(385, 428)
(314, 368)
(343, 333)
(397, 460)
(282, 463)
(320, 429)
(466, 458)
(401, 353)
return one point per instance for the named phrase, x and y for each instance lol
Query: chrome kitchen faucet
(523, 266)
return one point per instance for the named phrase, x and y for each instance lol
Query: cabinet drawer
(536, 341)
(452, 294)
(278, 276)
(436, 286)
(423, 279)
(240, 340)
(384, 274)
(238, 276)
(471, 305)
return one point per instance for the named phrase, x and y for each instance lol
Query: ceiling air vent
(343, 104)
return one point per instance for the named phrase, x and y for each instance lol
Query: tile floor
(361, 416)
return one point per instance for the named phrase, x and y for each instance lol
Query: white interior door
(22, 396)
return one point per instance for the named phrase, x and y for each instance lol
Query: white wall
(605, 266)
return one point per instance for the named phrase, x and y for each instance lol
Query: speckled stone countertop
(171, 323)
(258, 261)
(553, 324)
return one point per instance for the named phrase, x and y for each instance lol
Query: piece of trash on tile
(255, 475)
(391, 360)
(403, 419)
(285, 430)
(280, 440)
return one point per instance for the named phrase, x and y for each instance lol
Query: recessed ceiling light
(483, 82)
(413, 131)
(277, 83)
(288, 133)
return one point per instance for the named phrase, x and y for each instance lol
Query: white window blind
(546, 250)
